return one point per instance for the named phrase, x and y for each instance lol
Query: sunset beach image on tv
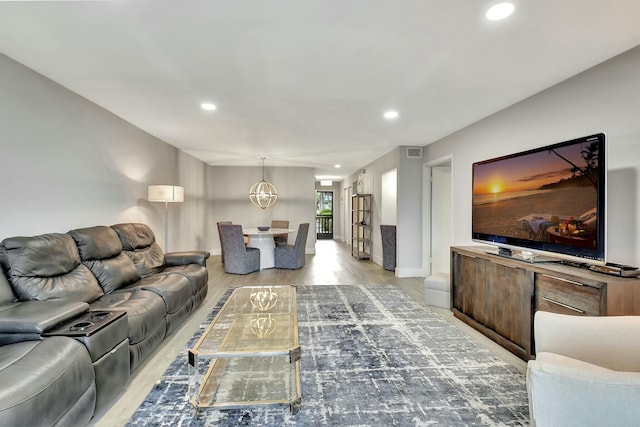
(550, 196)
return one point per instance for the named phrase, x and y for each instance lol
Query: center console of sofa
(104, 334)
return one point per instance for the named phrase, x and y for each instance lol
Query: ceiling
(305, 82)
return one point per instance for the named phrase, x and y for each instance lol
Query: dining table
(263, 240)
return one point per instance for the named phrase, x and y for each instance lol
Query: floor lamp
(167, 194)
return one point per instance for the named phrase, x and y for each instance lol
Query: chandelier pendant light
(263, 194)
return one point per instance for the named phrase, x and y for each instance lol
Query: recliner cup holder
(80, 326)
(100, 315)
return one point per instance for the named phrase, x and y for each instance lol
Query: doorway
(324, 215)
(438, 216)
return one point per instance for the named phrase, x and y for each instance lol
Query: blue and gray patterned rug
(371, 356)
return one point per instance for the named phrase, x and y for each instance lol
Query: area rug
(371, 356)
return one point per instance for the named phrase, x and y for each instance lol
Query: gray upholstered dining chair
(292, 257)
(220, 236)
(238, 259)
(280, 239)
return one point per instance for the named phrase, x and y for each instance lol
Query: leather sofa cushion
(98, 242)
(43, 381)
(46, 255)
(77, 285)
(48, 267)
(139, 243)
(184, 258)
(145, 310)
(149, 261)
(139, 351)
(113, 273)
(174, 289)
(198, 275)
(101, 251)
(6, 293)
(134, 236)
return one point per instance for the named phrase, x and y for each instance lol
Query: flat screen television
(549, 199)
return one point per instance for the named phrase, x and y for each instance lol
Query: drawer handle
(577, 310)
(564, 280)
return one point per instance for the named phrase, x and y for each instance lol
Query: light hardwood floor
(331, 265)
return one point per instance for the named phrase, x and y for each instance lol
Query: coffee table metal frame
(250, 353)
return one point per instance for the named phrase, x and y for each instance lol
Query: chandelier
(263, 194)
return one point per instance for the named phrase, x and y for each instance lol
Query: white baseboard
(410, 272)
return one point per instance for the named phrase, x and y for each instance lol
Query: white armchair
(586, 372)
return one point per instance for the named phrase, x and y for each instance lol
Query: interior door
(440, 217)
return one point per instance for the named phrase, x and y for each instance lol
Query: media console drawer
(565, 296)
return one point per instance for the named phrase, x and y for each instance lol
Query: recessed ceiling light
(337, 166)
(390, 115)
(208, 106)
(499, 11)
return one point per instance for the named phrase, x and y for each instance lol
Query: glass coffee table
(250, 353)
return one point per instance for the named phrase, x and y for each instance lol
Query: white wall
(440, 218)
(409, 229)
(67, 163)
(347, 192)
(374, 171)
(408, 209)
(229, 200)
(389, 214)
(605, 99)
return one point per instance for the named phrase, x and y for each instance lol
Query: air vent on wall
(414, 152)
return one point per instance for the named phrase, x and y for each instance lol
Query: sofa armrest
(607, 341)
(564, 391)
(173, 259)
(27, 320)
